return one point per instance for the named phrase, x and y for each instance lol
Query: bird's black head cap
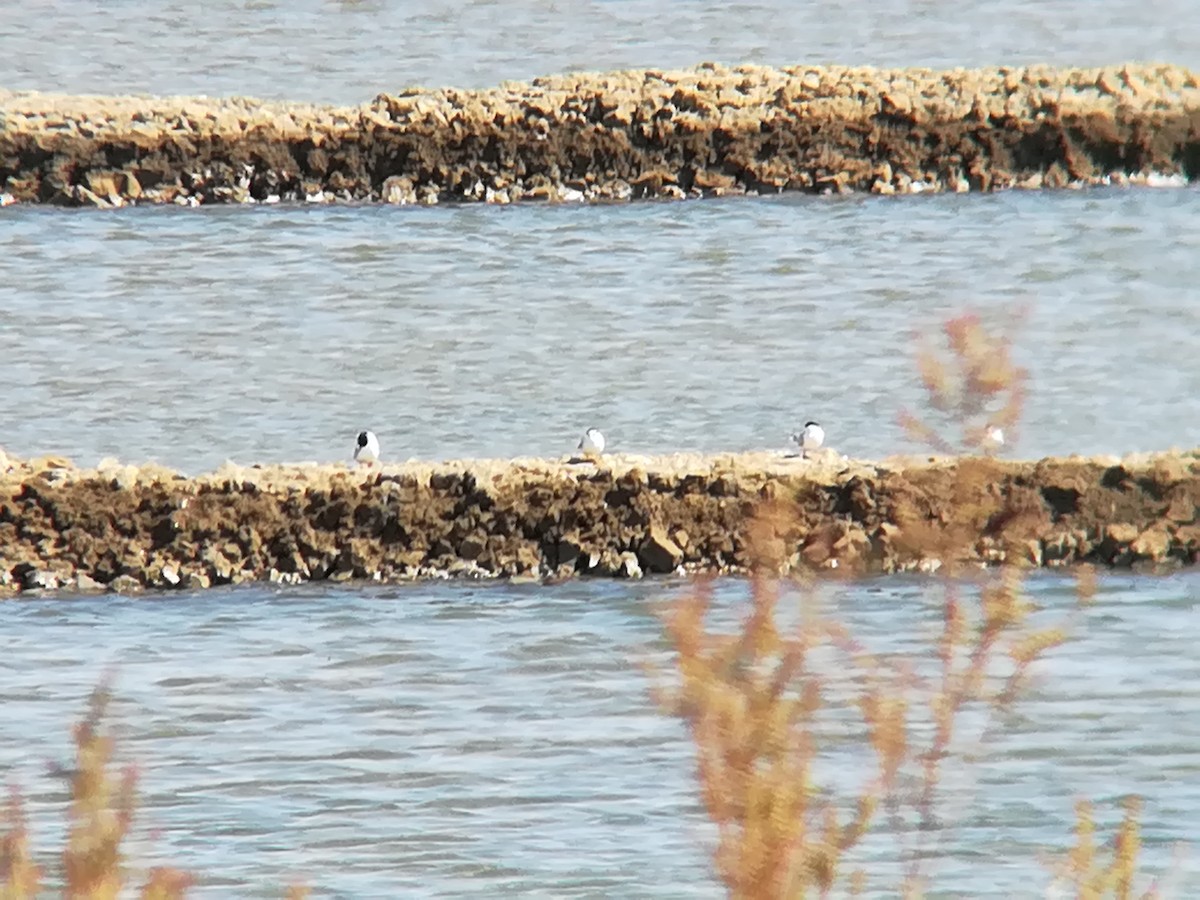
(362, 439)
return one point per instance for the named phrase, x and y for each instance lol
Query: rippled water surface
(349, 51)
(476, 740)
(193, 336)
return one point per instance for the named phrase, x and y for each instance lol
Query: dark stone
(472, 547)
(1064, 501)
(658, 553)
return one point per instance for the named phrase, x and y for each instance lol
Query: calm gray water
(349, 51)
(451, 740)
(457, 740)
(266, 334)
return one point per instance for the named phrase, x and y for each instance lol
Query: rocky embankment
(616, 136)
(126, 528)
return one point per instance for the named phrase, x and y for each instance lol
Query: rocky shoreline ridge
(127, 528)
(705, 131)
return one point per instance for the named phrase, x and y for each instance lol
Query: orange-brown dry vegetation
(757, 699)
(100, 816)
(757, 709)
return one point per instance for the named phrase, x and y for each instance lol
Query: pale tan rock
(125, 584)
(103, 183)
(1153, 544)
(85, 582)
(1121, 533)
(86, 197)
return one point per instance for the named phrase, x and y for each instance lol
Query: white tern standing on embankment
(367, 450)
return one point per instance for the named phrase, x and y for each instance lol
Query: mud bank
(126, 528)
(616, 136)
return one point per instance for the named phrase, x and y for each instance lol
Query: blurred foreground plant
(101, 814)
(971, 386)
(19, 877)
(1092, 877)
(763, 704)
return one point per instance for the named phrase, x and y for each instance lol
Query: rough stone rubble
(127, 528)
(617, 136)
